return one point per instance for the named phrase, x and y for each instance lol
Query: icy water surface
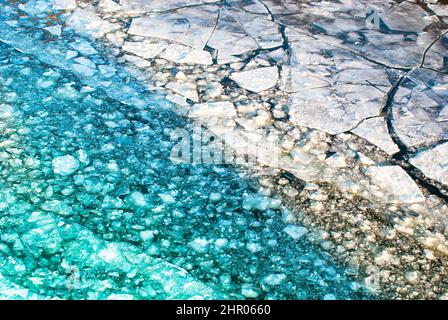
(118, 219)
(92, 207)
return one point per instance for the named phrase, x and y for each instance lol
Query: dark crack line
(213, 51)
(435, 70)
(267, 9)
(217, 3)
(427, 147)
(401, 158)
(281, 28)
(430, 46)
(256, 52)
(286, 47)
(388, 112)
(358, 54)
(376, 87)
(361, 122)
(247, 34)
(424, 6)
(432, 186)
(214, 27)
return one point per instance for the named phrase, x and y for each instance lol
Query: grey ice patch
(373, 20)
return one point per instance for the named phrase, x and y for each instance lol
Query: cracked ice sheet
(86, 22)
(330, 89)
(189, 26)
(357, 179)
(133, 7)
(406, 29)
(396, 184)
(433, 163)
(375, 131)
(258, 27)
(230, 38)
(437, 56)
(419, 106)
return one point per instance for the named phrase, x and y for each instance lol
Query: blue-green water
(129, 222)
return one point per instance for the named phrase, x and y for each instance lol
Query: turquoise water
(129, 223)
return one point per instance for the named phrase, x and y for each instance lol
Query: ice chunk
(417, 107)
(144, 6)
(186, 55)
(199, 245)
(42, 234)
(147, 235)
(259, 202)
(83, 70)
(146, 50)
(274, 279)
(167, 198)
(65, 165)
(110, 254)
(138, 199)
(83, 47)
(395, 183)
(35, 7)
(213, 109)
(64, 4)
(55, 30)
(189, 26)
(6, 111)
(375, 131)
(296, 232)
(433, 163)
(257, 80)
(186, 89)
(109, 6)
(249, 291)
(86, 22)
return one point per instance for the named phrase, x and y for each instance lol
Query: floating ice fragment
(65, 165)
(64, 4)
(6, 111)
(186, 89)
(434, 162)
(396, 184)
(55, 30)
(215, 197)
(85, 21)
(167, 198)
(83, 47)
(186, 55)
(35, 7)
(109, 6)
(120, 296)
(262, 203)
(221, 243)
(109, 254)
(147, 235)
(248, 291)
(199, 245)
(138, 199)
(257, 80)
(295, 232)
(144, 49)
(274, 279)
(213, 109)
